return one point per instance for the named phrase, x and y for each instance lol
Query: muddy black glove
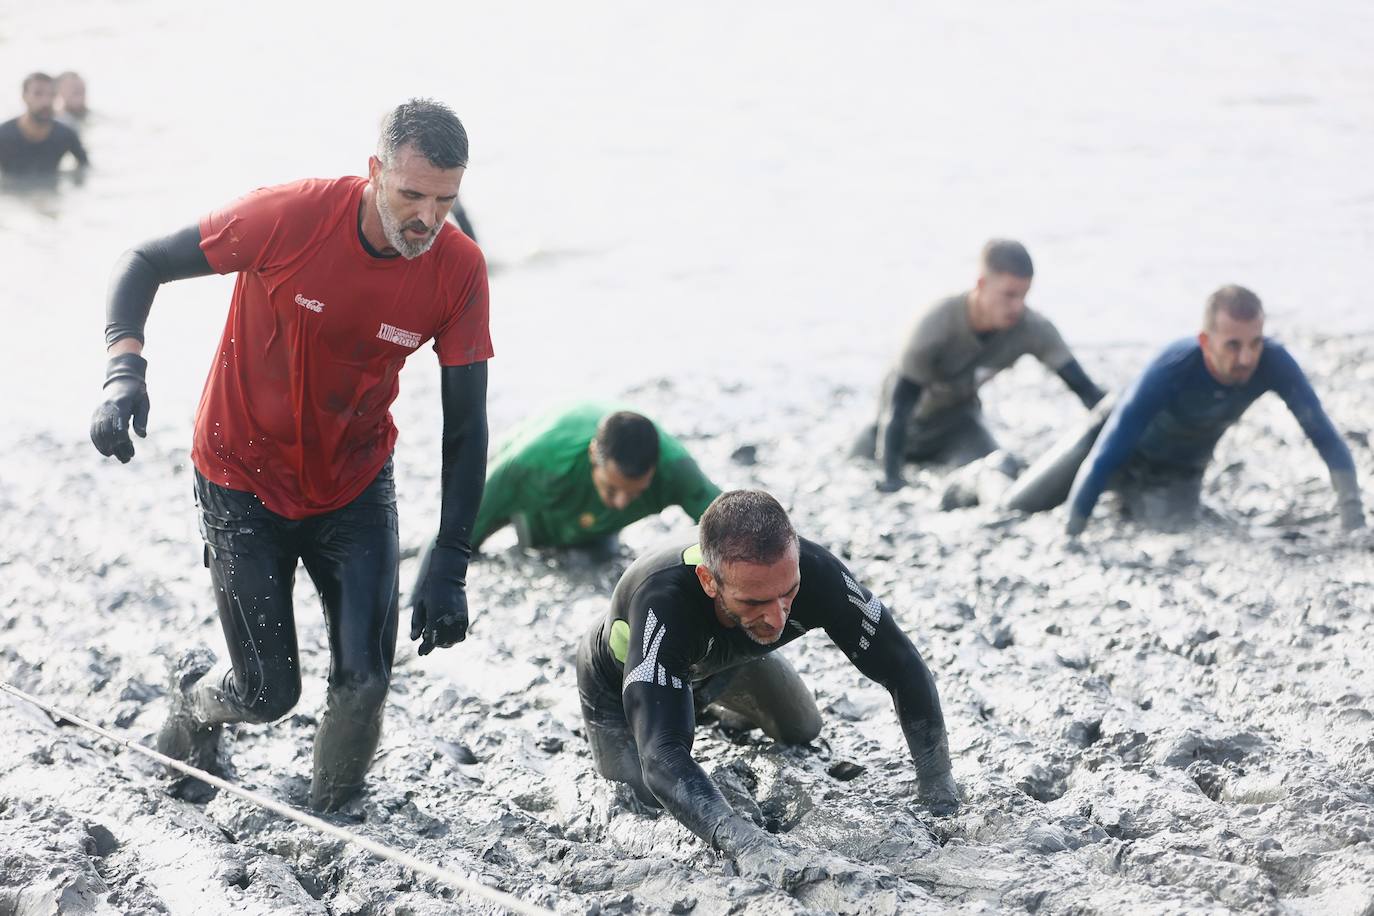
(126, 404)
(758, 855)
(440, 606)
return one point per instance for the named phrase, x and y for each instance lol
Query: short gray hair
(744, 526)
(431, 127)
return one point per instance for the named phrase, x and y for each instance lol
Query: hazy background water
(716, 186)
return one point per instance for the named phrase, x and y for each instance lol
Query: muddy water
(1146, 721)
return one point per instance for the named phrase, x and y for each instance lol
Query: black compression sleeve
(904, 398)
(664, 722)
(865, 630)
(464, 393)
(1079, 383)
(141, 270)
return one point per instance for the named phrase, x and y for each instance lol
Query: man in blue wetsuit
(1160, 436)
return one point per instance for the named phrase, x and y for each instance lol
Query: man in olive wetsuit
(339, 281)
(929, 409)
(697, 623)
(576, 477)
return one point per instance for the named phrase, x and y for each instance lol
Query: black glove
(440, 605)
(126, 399)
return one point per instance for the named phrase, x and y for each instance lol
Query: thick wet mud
(1143, 721)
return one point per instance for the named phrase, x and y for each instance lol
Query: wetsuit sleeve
(1079, 383)
(917, 362)
(139, 273)
(865, 631)
(1045, 342)
(1292, 385)
(905, 396)
(464, 393)
(465, 334)
(1118, 439)
(658, 707)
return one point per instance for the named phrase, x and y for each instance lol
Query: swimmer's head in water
(751, 563)
(420, 160)
(1232, 337)
(39, 92)
(71, 89)
(1004, 278)
(624, 455)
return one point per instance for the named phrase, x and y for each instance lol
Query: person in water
(929, 409)
(339, 282)
(71, 96)
(34, 144)
(698, 622)
(1159, 437)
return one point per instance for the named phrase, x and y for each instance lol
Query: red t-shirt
(296, 407)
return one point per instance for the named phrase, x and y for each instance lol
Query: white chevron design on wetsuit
(872, 608)
(649, 626)
(649, 669)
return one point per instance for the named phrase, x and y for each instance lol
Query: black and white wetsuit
(660, 653)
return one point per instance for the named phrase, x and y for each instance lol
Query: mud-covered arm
(658, 706)
(863, 628)
(1119, 437)
(1079, 383)
(1292, 385)
(663, 721)
(138, 274)
(905, 396)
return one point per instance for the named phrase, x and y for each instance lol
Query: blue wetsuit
(1173, 415)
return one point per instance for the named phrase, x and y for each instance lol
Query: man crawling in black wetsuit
(697, 624)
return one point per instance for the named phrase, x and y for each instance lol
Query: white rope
(381, 850)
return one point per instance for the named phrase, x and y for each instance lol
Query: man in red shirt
(338, 282)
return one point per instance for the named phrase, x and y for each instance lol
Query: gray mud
(1146, 721)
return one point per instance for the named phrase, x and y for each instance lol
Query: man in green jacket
(575, 478)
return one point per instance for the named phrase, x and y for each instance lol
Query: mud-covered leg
(771, 695)
(614, 753)
(1047, 482)
(353, 557)
(251, 565)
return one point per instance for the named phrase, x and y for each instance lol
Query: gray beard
(395, 232)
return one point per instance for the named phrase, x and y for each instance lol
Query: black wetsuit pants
(766, 693)
(351, 555)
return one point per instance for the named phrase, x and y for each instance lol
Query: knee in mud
(803, 730)
(360, 694)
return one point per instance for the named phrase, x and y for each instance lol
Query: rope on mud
(380, 850)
